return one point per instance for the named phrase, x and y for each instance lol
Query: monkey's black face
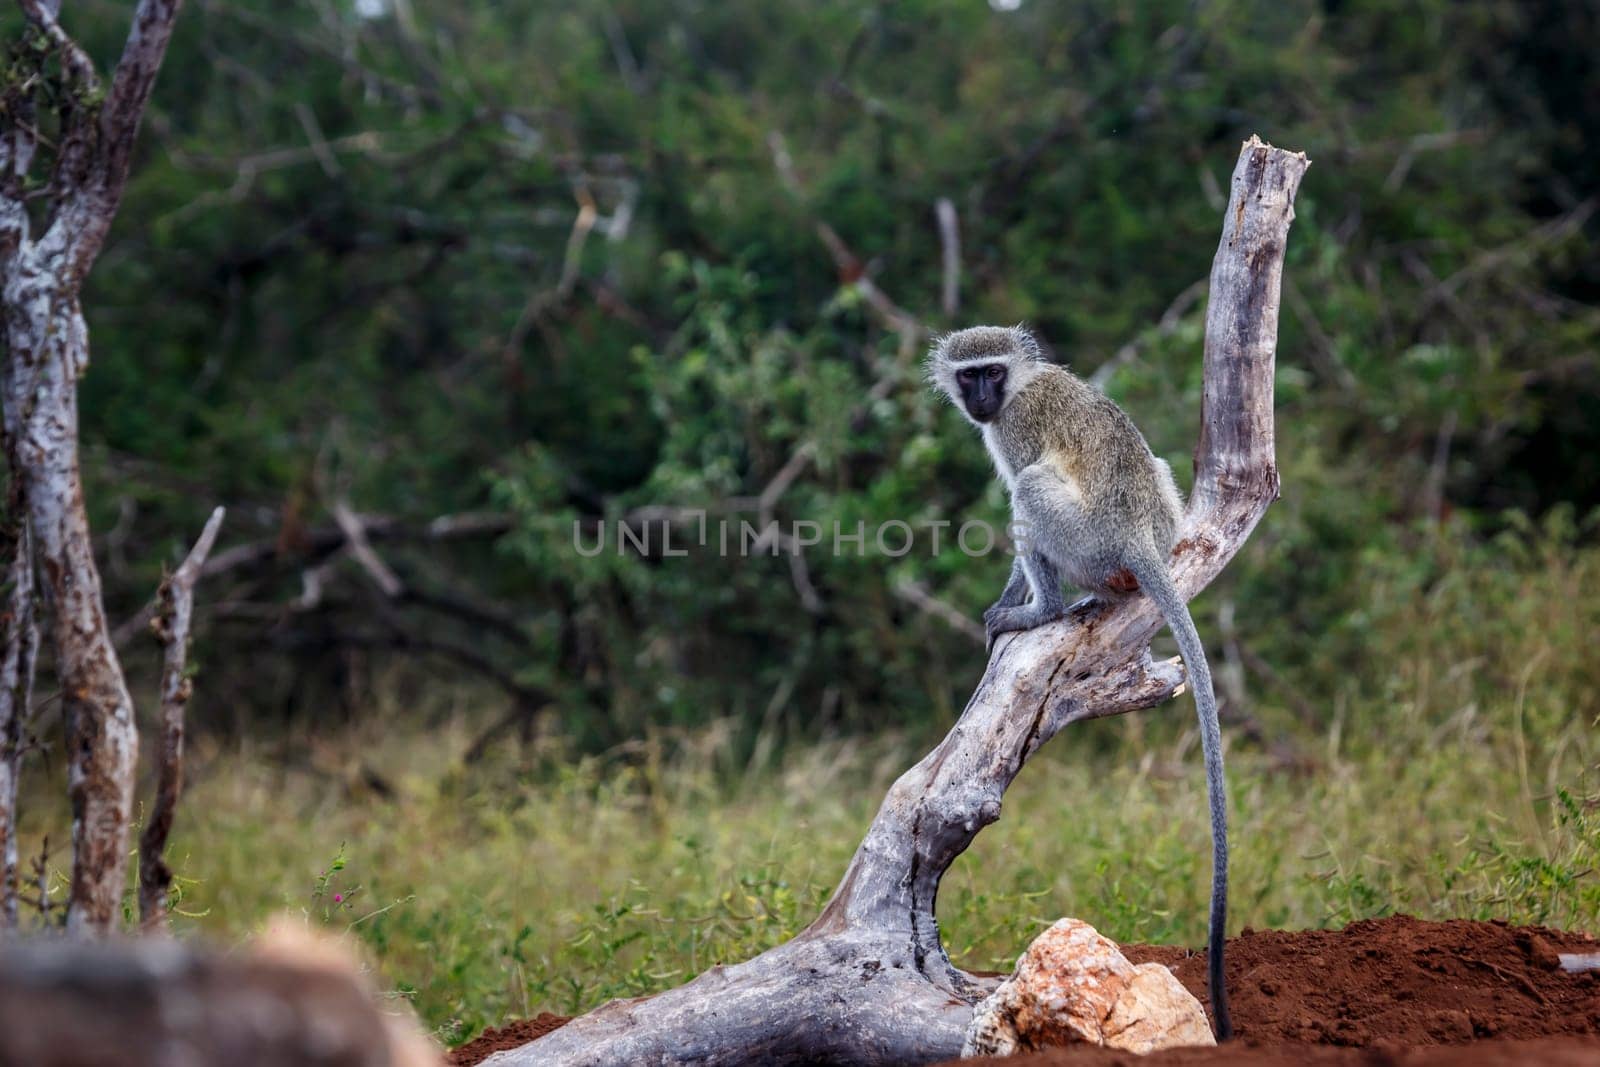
(983, 390)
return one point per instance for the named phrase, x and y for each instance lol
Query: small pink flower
(338, 898)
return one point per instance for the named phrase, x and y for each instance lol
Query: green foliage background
(350, 262)
(348, 266)
(347, 263)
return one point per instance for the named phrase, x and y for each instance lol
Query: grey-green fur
(1095, 506)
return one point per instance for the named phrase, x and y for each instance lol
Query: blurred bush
(563, 263)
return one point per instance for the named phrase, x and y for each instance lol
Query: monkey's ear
(936, 358)
(937, 369)
(1026, 344)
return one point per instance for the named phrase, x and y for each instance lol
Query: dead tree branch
(852, 271)
(527, 701)
(950, 256)
(39, 871)
(172, 629)
(917, 595)
(869, 981)
(320, 543)
(355, 536)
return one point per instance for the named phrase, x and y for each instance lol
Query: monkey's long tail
(1157, 584)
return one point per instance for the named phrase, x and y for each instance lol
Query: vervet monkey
(1093, 505)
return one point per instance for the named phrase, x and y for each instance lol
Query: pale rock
(1073, 986)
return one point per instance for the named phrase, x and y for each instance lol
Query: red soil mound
(1399, 979)
(1385, 989)
(1391, 987)
(499, 1038)
(1548, 1052)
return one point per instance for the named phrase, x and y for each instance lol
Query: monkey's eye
(995, 373)
(965, 375)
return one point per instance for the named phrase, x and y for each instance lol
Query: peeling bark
(869, 982)
(48, 345)
(47, 351)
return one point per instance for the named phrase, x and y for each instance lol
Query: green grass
(1453, 774)
(558, 892)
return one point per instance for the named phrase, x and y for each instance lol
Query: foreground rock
(1074, 986)
(293, 1000)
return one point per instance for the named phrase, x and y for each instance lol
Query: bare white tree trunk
(869, 982)
(45, 354)
(47, 350)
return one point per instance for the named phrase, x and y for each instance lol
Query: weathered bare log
(47, 351)
(172, 629)
(869, 982)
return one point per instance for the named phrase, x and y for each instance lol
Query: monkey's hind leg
(1047, 604)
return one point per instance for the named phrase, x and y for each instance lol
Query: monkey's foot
(1003, 620)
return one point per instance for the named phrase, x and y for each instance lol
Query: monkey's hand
(1004, 619)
